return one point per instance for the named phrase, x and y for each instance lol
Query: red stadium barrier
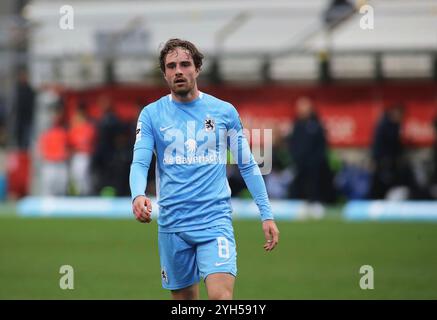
(349, 112)
(18, 174)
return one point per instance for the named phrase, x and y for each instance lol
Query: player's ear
(198, 71)
(162, 69)
(164, 75)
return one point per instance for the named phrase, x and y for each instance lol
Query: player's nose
(178, 71)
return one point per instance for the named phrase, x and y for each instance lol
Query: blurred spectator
(279, 179)
(106, 160)
(2, 121)
(81, 136)
(23, 110)
(433, 188)
(353, 181)
(392, 177)
(307, 146)
(53, 149)
(235, 180)
(122, 160)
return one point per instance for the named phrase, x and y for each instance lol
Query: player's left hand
(142, 209)
(271, 233)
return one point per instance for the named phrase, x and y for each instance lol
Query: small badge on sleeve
(138, 132)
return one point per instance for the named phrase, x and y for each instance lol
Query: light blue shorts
(190, 255)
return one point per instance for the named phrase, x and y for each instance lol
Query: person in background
(23, 111)
(307, 147)
(387, 153)
(433, 182)
(81, 137)
(109, 132)
(53, 150)
(3, 122)
(279, 179)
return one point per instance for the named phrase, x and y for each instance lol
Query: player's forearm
(138, 171)
(251, 173)
(255, 183)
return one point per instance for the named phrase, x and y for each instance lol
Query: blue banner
(98, 207)
(391, 210)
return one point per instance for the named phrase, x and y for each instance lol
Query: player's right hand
(142, 209)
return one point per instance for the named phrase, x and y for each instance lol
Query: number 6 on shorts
(223, 247)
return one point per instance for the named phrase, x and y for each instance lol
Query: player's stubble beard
(185, 90)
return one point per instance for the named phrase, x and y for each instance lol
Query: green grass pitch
(118, 259)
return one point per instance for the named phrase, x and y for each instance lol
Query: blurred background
(85, 70)
(348, 88)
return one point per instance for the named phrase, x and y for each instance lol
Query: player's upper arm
(237, 142)
(234, 122)
(144, 132)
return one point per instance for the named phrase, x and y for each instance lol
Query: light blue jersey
(190, 141)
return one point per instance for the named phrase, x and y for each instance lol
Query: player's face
(180, 72)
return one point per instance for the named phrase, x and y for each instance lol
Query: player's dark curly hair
(172, 44)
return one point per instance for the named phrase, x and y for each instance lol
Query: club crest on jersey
(164, 275)
(209, 124)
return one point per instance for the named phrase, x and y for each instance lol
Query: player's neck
(190, 96)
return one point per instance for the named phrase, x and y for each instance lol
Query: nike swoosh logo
(217, 264)
(165, 128)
